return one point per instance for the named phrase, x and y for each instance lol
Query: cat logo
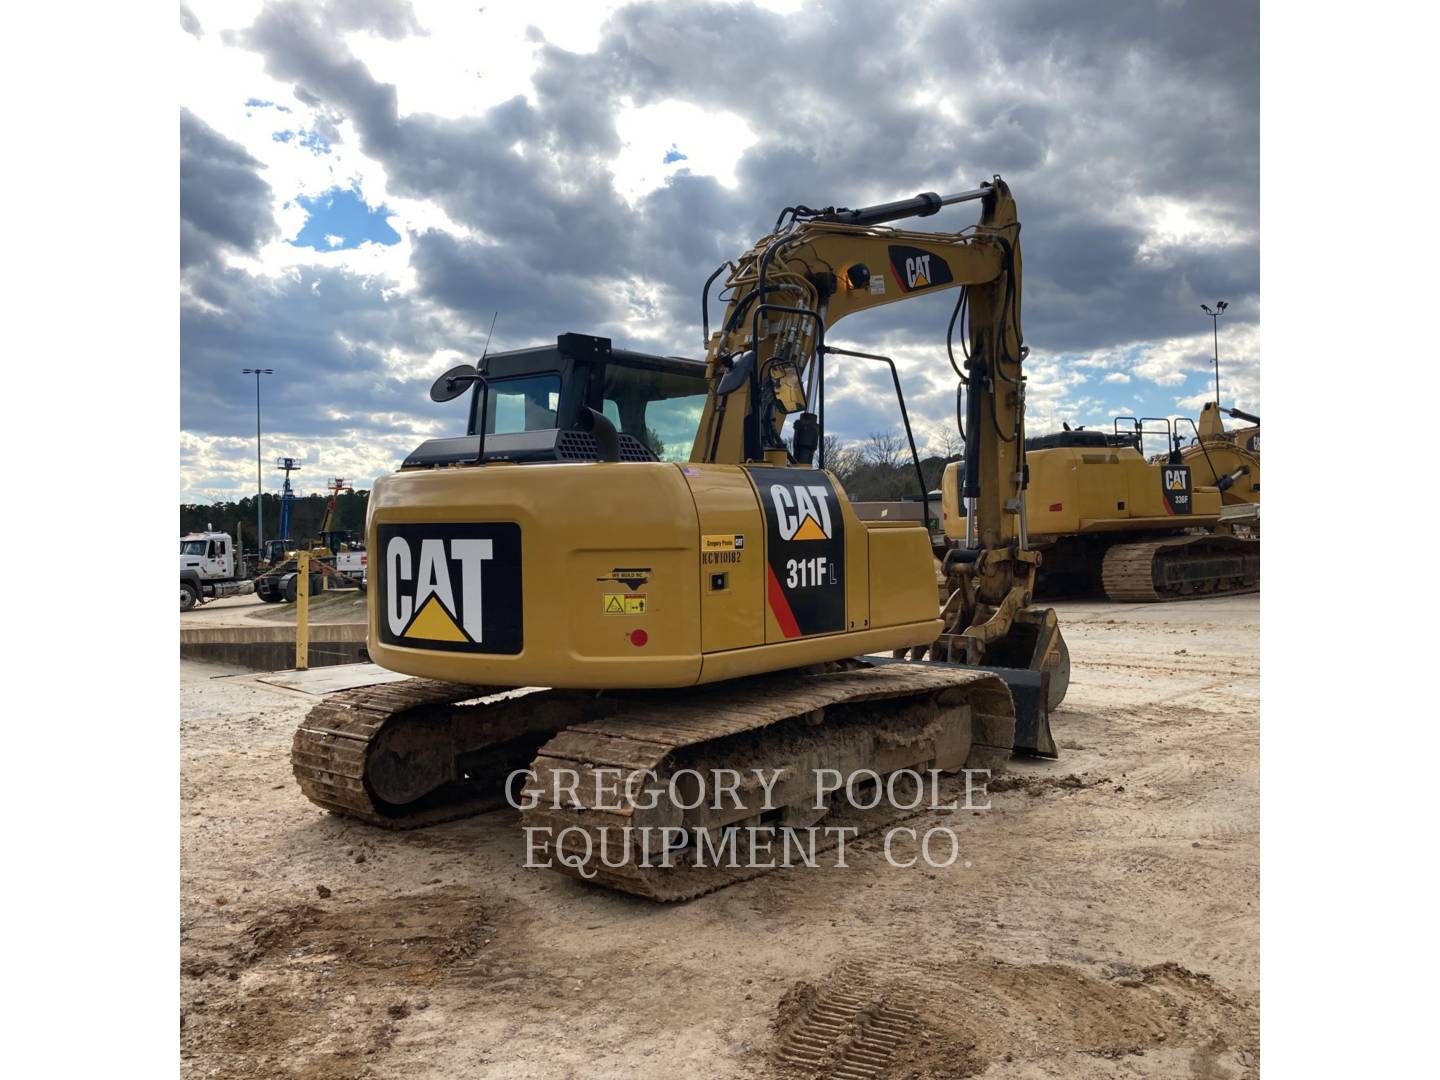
(916, 268)
(917, 271)
(1175, 486)
(802, 511)
(804, 552)
(453, 587)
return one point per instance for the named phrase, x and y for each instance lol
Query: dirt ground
(339, 606)
(1102, 920)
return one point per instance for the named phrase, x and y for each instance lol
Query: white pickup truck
(210, 569)
(352, 561)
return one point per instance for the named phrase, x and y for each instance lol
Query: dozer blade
(1032, 693)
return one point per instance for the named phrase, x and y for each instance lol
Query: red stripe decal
(779, 606)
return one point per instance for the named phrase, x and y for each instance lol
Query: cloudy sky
(365, 182)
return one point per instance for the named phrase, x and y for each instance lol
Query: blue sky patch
(340, 219)
(674, 154)
(261, 103)
(311, 140)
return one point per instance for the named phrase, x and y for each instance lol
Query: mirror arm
(484, 413)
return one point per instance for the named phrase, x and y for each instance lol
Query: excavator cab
(566, 402)
(274, 553)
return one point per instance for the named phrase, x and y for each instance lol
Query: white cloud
(214, 468)
(472, 57)
(1171, 223)
(1172, 361)
(712, 141)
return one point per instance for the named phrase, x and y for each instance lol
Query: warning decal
(451, 587)
(615, 603)
(805, 550)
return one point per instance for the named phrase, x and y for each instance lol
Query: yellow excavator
(687, 614)
(1230, 460)
(1104, 516)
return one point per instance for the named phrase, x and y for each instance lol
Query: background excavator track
(1181, 568)
(926, 717)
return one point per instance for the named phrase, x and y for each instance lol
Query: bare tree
(948, 444)
(840, 459)
(887, 449)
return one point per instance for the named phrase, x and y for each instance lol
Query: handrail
(904, 417)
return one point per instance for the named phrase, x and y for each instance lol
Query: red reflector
(1055, 508)
(638, 638)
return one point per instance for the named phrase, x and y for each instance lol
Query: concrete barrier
(272, 648)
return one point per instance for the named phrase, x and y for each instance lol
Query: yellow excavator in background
(1231, 460)
(714, 612)
(1104, 516)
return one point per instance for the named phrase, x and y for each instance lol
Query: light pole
(1214, 313)
(259, 476)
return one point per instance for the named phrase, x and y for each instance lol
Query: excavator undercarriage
(1181, 568)
(592, 772)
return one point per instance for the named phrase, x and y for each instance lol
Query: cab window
(524, 404)
(659, 408)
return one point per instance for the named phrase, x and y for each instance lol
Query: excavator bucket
(1034, 661)
(1038, 687)
(1030, 690)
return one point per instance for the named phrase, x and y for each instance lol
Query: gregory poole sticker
(450, 587)
(722, 549)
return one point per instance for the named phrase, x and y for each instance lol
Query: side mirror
(738, 375)
(453, 383)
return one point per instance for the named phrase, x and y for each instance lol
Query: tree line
(878, 469)
(306, 514)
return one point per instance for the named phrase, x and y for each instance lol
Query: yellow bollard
(302, 614)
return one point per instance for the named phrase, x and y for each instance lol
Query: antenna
(487, 341)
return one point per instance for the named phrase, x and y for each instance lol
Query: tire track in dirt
(879, 1016)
